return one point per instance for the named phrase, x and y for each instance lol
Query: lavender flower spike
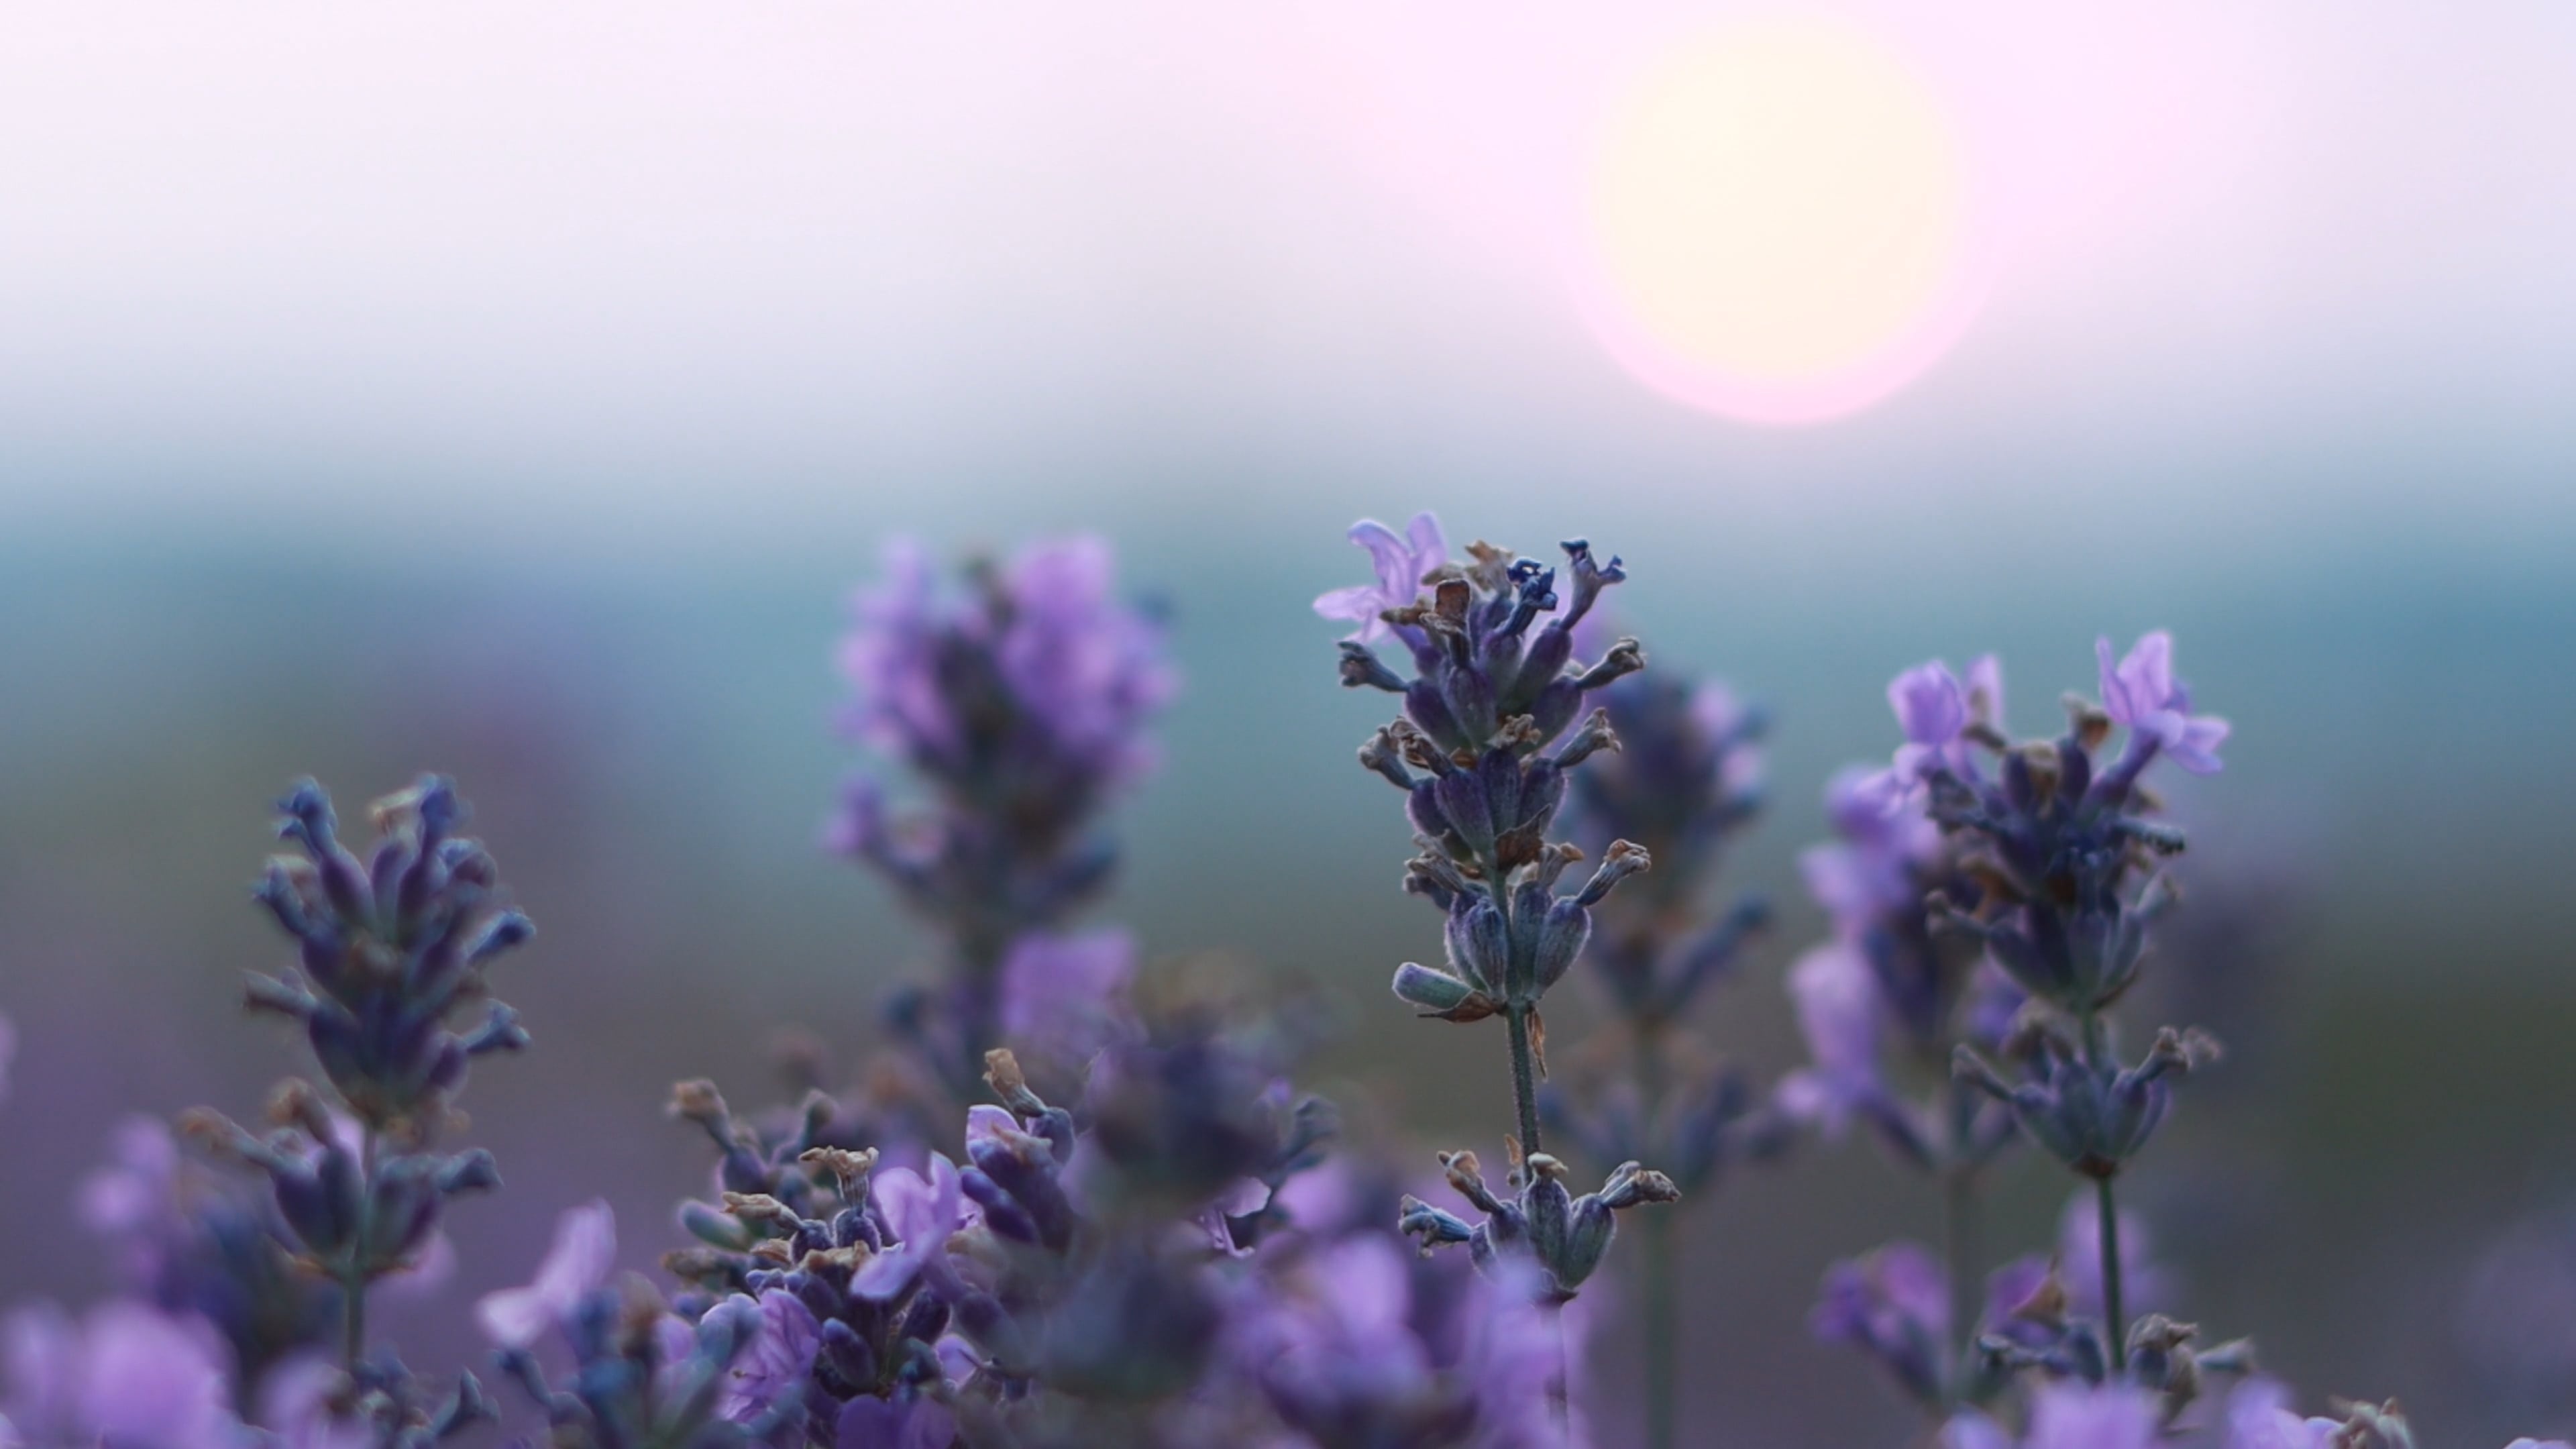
(1021, 702)
(1489, 724)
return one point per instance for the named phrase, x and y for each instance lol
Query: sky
(674, 276)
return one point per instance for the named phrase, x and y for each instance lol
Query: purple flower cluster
(1488, 722)
(1019, 705)
(1990, 901)
(1156, 1249)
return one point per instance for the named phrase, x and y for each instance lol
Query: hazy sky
(687, 272)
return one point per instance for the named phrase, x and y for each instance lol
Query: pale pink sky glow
(709, 259)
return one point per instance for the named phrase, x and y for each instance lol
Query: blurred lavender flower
(1336, 1351)
(126, 1375)
(1063, 998)
(2259, 1415)
(1894, 1305)
(577, 1265)
(1023, 707)
(196, 1242)
(8, 1055)
(1956, 889)
(641, 1374)
(1683, 781)
(2070, 1416)
(1885, 1001)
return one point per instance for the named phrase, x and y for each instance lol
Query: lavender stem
(1959, 1246)
(2116, 1324)
(353, 1281)
(1524, 1081)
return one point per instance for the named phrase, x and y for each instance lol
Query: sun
(1779, 223)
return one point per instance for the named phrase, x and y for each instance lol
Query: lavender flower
(1490, 694)
(1337, 1354)
(1952, 874)
(1404, 565)
(2141, 693)
(196, 1242)
(1063, 997)
(2072, 1416)
(8, 1055)
(1886, 999)
(1022, 706)
(575, 1267)
(389, 949)
(1894, 1305)
(1056, 1278)
(732, 1375)
(920, 1216)
(125, 1375)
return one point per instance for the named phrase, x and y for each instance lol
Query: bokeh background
(517, 391)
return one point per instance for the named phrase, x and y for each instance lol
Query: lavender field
(698, 747)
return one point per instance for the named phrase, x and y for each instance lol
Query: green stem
(1524, 1079)
(1960, 1246)
(353, 1276)
(1516, 1014)
(2116, 1323)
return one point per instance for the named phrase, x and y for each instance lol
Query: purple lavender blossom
(1021, 703)
(2258, 1415)
(1523, 1360)
(1839, 1011)
(2069, 1415)
(1886, 998)
(2141, 693)
(1334, 1348)
(922, 1216)
(1493, 691)
(2066, 1415)
(196, 1241)
(1044, 641)
(578, 1264)
(770, 1372)
(389, 948)
(1063, 996)
(1894, 1305)
(126, 1375)
(1403, 565)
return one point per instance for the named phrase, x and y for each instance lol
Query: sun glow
(1780, 223)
